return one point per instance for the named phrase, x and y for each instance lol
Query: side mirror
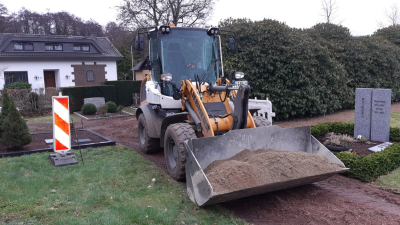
(232, 44)
(139, 43)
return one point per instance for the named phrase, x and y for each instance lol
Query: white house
(56, 60)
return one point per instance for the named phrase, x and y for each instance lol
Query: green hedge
(77, 94)
(337, 127)
(367, 168)
(345, 128)
(125, 89)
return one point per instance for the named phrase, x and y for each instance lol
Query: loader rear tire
(174, 151)
(261, 121)
(147, 144)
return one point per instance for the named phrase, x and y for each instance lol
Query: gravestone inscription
(380, 114)
(362, 119)
(97, 101)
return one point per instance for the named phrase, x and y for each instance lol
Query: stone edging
(101, 118)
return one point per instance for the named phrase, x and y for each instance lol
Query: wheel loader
(189, 108)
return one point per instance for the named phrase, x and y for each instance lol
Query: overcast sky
(360, 16)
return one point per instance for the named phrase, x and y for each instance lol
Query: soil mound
(249, 169)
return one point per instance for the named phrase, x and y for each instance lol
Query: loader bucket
(203, 151)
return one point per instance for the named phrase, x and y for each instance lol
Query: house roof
(142, 65)
(102, 48)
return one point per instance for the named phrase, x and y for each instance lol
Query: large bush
(125, 89)
(391, 33)
(369, 61)
(286, 65)
(78, 94)
(313, 71)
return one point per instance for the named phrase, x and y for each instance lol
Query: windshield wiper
(213, 61)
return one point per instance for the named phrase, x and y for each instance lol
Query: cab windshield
(184, 53)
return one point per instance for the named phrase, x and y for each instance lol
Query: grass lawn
(129, 110)
(112, 187)
(395, 120)
(391, 180)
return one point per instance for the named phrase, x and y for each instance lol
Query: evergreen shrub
(15, 131)
(112, 107)
(88, 109)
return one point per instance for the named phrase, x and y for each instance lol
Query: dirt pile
(264, 166)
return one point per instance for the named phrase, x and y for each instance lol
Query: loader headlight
(166, 76)
(213, 31)
(165, 29)
(239, 75)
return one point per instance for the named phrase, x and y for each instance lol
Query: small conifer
(15, 130)
(5, 108)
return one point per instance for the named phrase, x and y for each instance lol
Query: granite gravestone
(97, 101)
(380, 114)
(362, 119)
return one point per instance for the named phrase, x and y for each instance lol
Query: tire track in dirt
(362, 193)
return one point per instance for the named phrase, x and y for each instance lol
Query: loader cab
(182, 52)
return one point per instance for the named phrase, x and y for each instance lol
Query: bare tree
(3, 10)
(142, 13)
(329, 11)
(2, 69)
(392, 15)
(3, 17)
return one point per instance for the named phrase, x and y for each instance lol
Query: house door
(49, 79)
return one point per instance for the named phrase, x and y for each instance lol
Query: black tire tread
(261, 121)
(151, 144)
(182, 132)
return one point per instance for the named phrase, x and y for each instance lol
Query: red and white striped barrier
(61, 129)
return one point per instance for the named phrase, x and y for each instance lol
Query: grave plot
(43, 142)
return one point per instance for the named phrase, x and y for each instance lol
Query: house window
(53, 47)
(23, 46)
(90, 76)
(81, 47)
(11, 77)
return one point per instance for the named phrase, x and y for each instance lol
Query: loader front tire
(261, 121)
(147, 144)
(174, 151)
